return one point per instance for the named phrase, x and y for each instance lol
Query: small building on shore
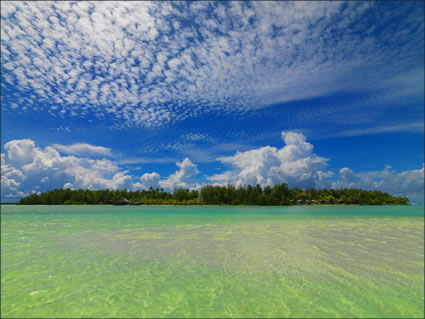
(122, 201)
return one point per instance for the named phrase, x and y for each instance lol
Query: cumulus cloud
(21, 152)
(408, 183)
(150, 180)
(295, 164)
(181, 177)
(83, 149)
(9, 179)
(25, 165)
(26, 168)
(68, 186)
(154, 63)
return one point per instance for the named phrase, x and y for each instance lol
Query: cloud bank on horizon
(152, 64)
(28, 168)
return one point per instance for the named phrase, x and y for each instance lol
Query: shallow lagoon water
(165, 261)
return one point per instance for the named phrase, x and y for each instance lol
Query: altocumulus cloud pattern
(156, 63)
(151, 66)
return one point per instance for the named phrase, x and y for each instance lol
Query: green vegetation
(278, 195)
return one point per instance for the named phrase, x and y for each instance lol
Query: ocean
(212, 261)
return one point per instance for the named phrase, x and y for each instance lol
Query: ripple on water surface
(212, 262)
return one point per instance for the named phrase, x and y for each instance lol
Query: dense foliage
(280, 194)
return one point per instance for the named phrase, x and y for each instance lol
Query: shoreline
(210, 205)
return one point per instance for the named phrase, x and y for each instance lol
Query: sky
(132, 95)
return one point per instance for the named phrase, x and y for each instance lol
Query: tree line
(278, 195)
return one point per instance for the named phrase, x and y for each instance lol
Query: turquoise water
(165, 261)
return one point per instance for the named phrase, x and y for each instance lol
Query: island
(278, 195)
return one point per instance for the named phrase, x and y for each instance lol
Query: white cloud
(180, 179)
(65, 129)
(410, 127)
(139, 160)
(10, 177)
(83, 149)
(135, 61)
(150, 180)
(21, 152)
(295, 164)
(408, 183)
(25, 165)
(68, 186)
(25, 168)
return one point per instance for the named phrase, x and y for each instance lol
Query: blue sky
(180, 94)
